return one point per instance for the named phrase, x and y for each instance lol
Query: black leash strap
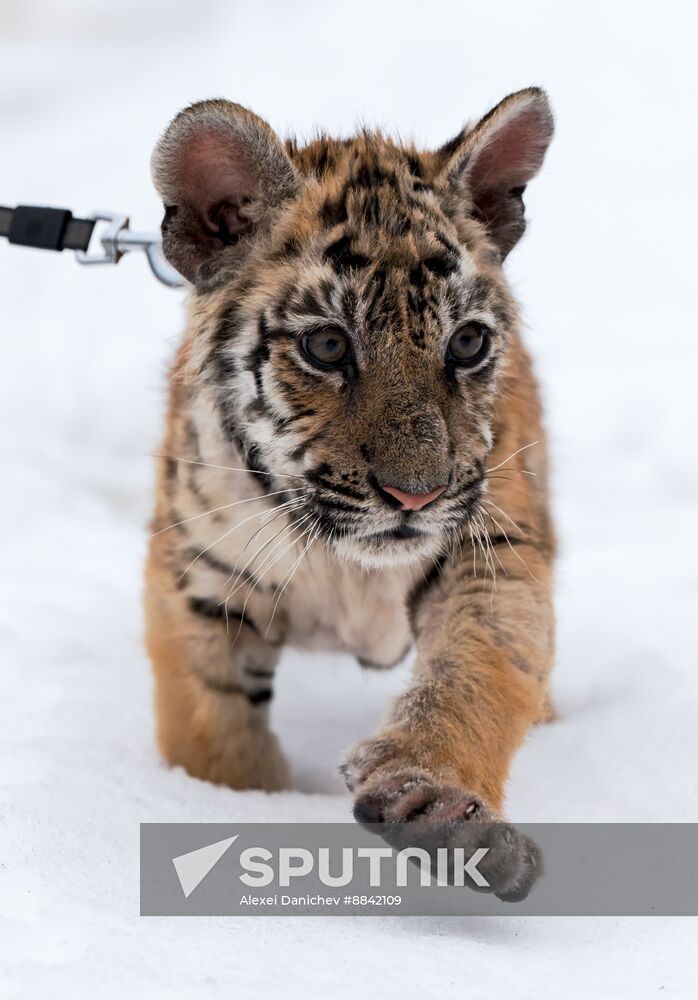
(45, 228)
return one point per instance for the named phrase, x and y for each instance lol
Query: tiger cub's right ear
(488, 167)
(219, 169)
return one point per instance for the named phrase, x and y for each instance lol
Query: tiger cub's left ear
(220, 170)
(491, 163)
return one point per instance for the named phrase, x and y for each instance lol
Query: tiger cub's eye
(469, 345)
(327, 348)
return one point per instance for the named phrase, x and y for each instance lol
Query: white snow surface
(606, 277)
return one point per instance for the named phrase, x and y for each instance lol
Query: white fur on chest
(339, 606)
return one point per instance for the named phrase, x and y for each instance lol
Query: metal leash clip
(117, 239)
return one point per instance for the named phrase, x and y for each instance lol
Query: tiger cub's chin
(387, 549)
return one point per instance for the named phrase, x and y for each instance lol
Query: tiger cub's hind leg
(213, 684)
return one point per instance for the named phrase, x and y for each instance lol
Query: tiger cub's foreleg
(480, 682)
(213, 683)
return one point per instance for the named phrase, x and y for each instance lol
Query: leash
(57, 229)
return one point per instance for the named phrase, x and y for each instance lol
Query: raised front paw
(414, 809)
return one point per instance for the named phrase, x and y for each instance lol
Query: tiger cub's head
(352, 316)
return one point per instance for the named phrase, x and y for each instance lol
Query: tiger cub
(354, 459)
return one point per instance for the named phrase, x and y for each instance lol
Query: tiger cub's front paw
(415, 809)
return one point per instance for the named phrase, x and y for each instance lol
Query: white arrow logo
(194, 866)
(471, 867)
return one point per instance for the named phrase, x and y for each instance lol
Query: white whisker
(488, 552)
(225, 534)
(472, 544)
(315, 528)
(227, 506)
(517, 554)
(227, 468)
(255, 555)
(258, 578)
(285, 508)
(492, 547)
(513, 455)
(504, 514)
(275, 560)
(508, 468)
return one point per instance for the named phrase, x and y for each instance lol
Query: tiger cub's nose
(412, 501)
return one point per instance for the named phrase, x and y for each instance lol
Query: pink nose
(413, 501)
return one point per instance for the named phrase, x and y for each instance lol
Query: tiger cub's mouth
(400, 532)
(392, 546)
(366, 523)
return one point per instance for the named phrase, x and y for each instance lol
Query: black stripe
(334, 211)
(228, 324)
(210, 608)
(291, 247)
(307, 300)
(526, 539)
(279, 333)
(287, 421)
(346, 491)
(229, 687)
(220, 358)
(260, 697)
(415, 165)
(170, 466)
(336, 505)
(341, 256)
(213, 562)
(206, 607)
(507, 540)
(299, 451)
(258, 357)
(446, 243)
(441, 264)
(241, 617)
(259, 408)
(250, 455)
(322, 159)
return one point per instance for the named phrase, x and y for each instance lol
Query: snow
(606, 279)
